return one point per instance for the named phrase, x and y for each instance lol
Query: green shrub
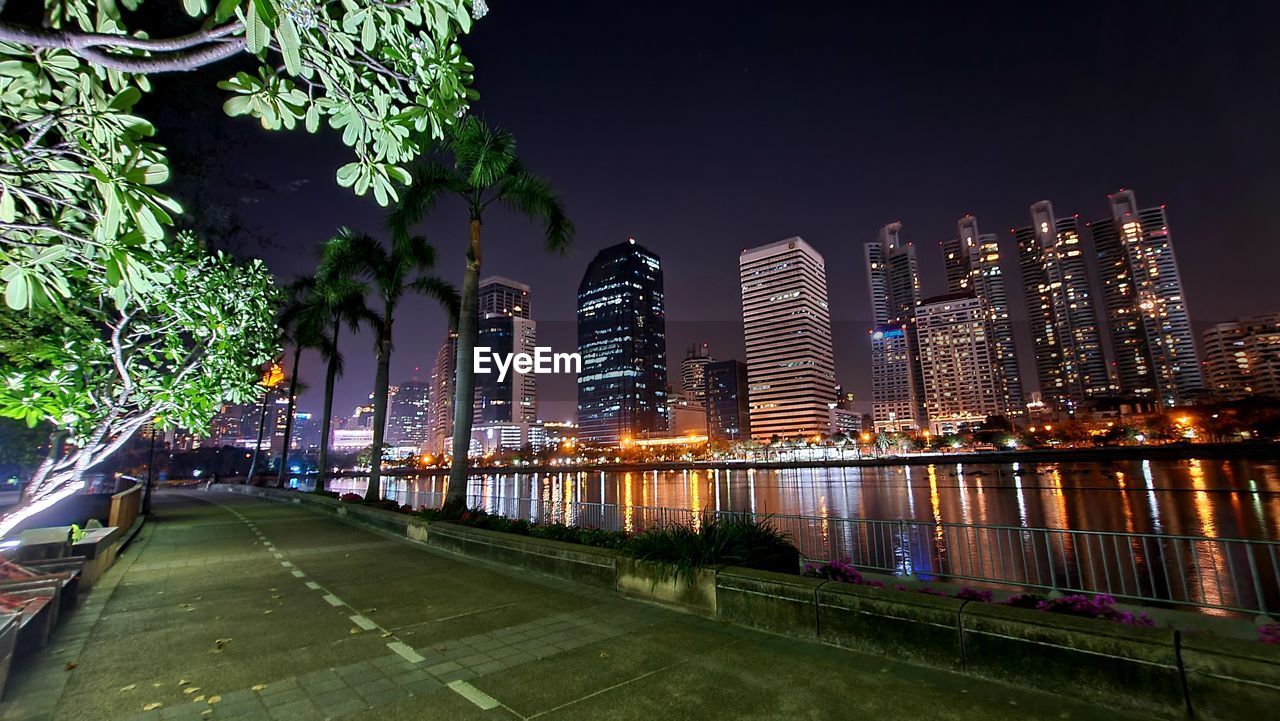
(734, 541)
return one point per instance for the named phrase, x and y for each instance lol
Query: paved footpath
(227, 607)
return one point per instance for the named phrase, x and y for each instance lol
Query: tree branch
(181, 53)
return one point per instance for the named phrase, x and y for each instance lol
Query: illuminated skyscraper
(1068, 344)
(973, 264)
(957, 359)
(897, 400)
(693, 373)
(1242, 358)
(506, 326)
(442, 395)
(623, 343)
(409, 422)
(790, 362)
(728, 412)
(1146, 310)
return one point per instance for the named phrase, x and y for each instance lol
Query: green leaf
(287, 34)
(195, 8)
(7, 210)
(239, 105)
(313, 118)
(17, 293)
(256, 32)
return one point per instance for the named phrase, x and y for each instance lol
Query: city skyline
(848, 170)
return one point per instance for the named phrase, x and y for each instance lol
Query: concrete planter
(916, 627)
(1231, 678)
(1101, 661)
(657, 583)
(585, 564)
(99, 549)
(776, 602)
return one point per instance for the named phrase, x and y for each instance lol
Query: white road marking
(333, 600)
(474, 695)
(363, 622)
(313, 585)
(286, 564)
(405, 652)
(298, 574)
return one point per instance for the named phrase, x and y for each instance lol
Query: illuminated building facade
(728, 410)
(961, 377)
(1151, 334)
(893, 277)
(506, 327)
(1242, 358)
(1064, 326)
(622, 341)
(973, 264)
(787, 325)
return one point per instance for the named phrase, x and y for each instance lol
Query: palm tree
(405, 269)
(484, 170)
(341, 300)
(302, 328)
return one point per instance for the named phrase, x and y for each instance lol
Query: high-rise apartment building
(973, 264)
(897, 400)
(622, 341)
(408, 419)
(693, 373)
(442, 396)
(961, 376)
(506, 326)
(1064, 326)
(1242, 358)
(787, 324)
(1155, 350)
(728, 411)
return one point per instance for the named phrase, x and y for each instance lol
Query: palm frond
(430, 181)
(483, 155)
(532, 196)
(441, 291)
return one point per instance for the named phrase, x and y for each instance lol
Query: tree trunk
(326, 420)
(381, 385)
(257, 448)
(455, 498)
(288, 421)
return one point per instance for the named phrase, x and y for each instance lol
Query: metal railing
(1230, 574)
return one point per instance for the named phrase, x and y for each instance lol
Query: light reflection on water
(1212, 498)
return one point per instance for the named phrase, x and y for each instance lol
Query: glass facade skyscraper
(623, 343)
(506, 326)
(728, 413)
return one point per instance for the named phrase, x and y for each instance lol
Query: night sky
(704, 128)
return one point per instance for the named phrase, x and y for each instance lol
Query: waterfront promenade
(227, 607)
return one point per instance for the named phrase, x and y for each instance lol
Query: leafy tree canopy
(79, 171)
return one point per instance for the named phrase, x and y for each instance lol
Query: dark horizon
(714, 129)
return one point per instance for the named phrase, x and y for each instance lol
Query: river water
(1211, 498)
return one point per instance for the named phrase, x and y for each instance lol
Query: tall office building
(897, 400)
(623, 344)
(1146, 310)
(506, 327)
(409, 422)
(1242, 358)
(961, 376)
(498, 296)
(728, 410)
(442, 396)
(973, 263)
(787, 324)
(1064, 327)
(693, 373)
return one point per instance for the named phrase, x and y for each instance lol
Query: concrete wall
(1157, 671)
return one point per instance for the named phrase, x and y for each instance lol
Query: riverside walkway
(227, 607)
